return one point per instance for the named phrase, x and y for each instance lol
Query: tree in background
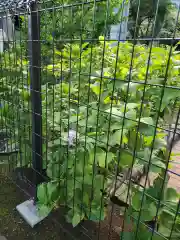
(74, 19)
(171, 23)
(160, 15)
(64, 21)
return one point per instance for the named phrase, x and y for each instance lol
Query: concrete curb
(2, 238)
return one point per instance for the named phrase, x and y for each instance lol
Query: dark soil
(54, 227)
(13, 226)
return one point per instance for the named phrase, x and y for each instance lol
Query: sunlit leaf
(157, 166)
(171, 194)
(96, 88)
(44, 210)
(136, 200)
(76, 219)
(126, 158)
(52, 191)
(115, 138)
(101, 157)
(42, 194)
(147, 120)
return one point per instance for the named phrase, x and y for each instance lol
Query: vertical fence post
(35, 79)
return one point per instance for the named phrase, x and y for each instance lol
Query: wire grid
(63, 127)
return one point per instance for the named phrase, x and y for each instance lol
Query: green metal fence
(93, 120)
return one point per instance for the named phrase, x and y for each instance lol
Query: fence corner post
(35, 82)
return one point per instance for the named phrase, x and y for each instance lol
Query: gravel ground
(175, 170)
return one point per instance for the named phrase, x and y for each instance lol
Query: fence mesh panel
(90, 113)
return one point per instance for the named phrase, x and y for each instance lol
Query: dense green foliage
(114, 123)
(103, 110)
(96, 123)
(76, 20)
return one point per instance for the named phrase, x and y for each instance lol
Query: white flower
(71, 137)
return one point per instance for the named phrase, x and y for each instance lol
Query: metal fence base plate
(2, 238)
(29, 212)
